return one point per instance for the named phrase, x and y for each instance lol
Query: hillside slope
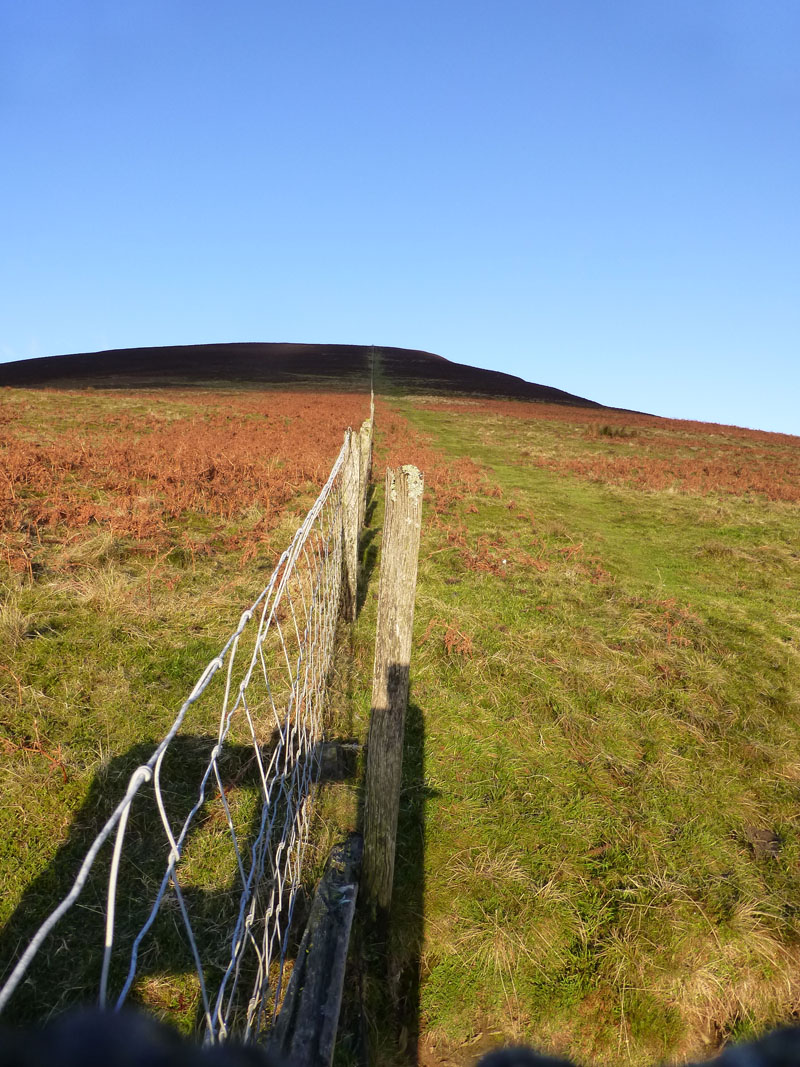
(324, 366)
(599, 848)
(332, 365)
(598, 845)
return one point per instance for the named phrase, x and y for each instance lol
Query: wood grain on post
(351, 510)
(365, 444)
(398, 580)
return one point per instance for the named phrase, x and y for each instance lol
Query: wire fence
(269, 686)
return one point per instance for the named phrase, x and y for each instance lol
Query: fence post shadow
(368, 559)
(406, 930)
(371, 504)
(381, 1013)
(367, 548)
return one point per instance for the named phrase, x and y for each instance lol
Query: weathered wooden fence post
(398, 580)
(351, 514)
(365, 444)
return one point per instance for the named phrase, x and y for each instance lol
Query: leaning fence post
(351, 511)
(398, 579)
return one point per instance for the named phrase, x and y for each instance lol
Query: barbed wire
(272, 700)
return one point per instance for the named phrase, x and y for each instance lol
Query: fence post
(398, 580)
(351, 513)
(365, 445)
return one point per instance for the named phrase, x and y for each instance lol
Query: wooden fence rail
(305, 1031)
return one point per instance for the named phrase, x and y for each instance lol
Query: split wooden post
(351, 514)
(398, 580)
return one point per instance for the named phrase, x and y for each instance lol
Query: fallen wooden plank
(305, 1030)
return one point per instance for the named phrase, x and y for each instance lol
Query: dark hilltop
(320, 366)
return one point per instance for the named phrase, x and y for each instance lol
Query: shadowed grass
(104, 636)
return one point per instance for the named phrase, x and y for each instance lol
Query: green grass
(607, 753)
(105, 656)
(598, 846)
(102, 642)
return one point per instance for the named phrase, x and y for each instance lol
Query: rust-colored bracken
(448, 479)
(140, 464)
(646, 452)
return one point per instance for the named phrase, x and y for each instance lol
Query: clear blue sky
(601, 195)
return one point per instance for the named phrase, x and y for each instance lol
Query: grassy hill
(137, 525)
(599, 849)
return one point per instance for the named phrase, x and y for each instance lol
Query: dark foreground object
(103, 1039)
(332, 367)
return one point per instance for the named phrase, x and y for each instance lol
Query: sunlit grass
(599, 848)
(608, 679)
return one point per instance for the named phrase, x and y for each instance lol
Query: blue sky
(599, 195)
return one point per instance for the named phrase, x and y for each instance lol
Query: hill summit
(323, 366)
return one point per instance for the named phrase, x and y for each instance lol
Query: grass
(603, 760)
(106, 625)
(598, 845)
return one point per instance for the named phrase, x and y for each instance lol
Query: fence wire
(270, 681)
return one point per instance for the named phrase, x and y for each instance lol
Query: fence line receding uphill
(267, 691)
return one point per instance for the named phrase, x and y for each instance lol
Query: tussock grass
(14, 623)
(605, 778)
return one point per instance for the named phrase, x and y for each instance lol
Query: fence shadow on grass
(65, 973)
(368, 549)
